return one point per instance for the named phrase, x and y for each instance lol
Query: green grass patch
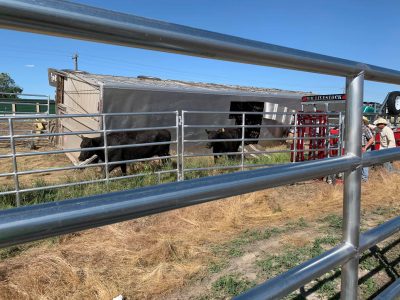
(235, 247)
(231, 285)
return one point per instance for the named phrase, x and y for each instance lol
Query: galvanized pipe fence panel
(16, 154)
(180, 142)
(55, 18)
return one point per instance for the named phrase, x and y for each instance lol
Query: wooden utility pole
(75, 58)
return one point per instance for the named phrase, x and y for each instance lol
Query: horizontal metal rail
(392, 292)
(297, 277)
(89, 115)
(288, 113)
(95, 24)
(31, 223)
(263, 139)
(379, 233)
(21, 154)
(260, 126)
(314, 268)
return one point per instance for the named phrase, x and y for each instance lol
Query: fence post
(352, 185)
(295, 139)
(340, 139)
(182, 154)
(178, 146)
(105, 148)
(48, 105)
(243, 136)
(37, 108)
(13, 108)
(14, 161)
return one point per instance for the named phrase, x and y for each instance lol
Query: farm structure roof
(154, 83)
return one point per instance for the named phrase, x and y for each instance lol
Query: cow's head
(212, 135)
(87, 143)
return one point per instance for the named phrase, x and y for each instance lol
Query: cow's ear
(207, 131)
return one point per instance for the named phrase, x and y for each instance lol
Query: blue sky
(365, 31)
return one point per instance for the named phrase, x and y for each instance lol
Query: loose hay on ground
(152, 256)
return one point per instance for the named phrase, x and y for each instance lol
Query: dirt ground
(168, 256)
(35, 162)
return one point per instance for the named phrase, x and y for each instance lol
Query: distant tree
(7, 85)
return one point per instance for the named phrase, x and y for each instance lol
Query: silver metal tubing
(141, 129)
(352, 186)
(250, 152)
(280, 286)
(379, 233)
(31, 223)
(392, 292)
(48, 187)
(142, 174)
(208, 112)
(242, 142)
(18, 136)
(378, 157)
(257, 126)
(141, 159)
(14, 160)
(90, 132)
(182, 146)
(141, 145)
(30, 116)
(178, 148)
(295, 139)
(103, 119)
(85, 166)
(94, 24)
(78, 167)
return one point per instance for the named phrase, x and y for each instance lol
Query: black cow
(126, 138)
(224, 146)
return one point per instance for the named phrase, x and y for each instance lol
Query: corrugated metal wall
(79, 98)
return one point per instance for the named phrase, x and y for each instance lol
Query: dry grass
(152, 256)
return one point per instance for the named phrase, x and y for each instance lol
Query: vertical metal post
(14, 162)
(178, 147)
(105, 148)
(352, 185)
(340, 138)
(183, 146)
(48, 105)
(295, 139)
(243, 135)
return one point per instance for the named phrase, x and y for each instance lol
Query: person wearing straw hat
(387, 139)
(367, 140)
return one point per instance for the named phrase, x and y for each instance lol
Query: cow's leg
(110, 169)
(123, 169)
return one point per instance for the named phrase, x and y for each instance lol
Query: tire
(393, 103)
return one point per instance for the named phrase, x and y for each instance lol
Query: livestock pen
(22, 224)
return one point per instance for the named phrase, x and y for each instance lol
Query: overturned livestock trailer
(79, 92)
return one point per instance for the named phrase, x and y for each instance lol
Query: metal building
(80, 92)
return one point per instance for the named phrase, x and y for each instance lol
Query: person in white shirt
(387, 139)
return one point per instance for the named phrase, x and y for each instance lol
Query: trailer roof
(153, 83)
